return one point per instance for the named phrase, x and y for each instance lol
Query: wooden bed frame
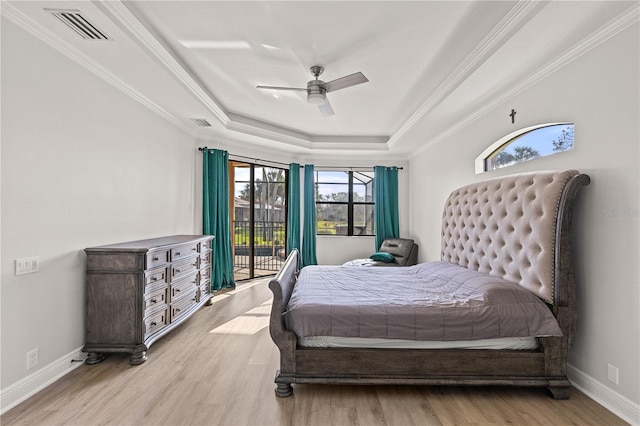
(543, 367)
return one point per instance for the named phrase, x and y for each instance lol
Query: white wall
(599, 92)
(82, 165)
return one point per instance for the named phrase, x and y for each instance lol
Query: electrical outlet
(27, 265)
(612, 373)
(32, 358)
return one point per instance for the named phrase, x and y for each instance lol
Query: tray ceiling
(433, 66)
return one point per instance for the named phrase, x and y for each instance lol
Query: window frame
(350, 203)
(482, 161)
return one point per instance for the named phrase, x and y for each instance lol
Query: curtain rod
(203, 148)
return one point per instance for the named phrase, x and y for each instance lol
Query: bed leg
(559, 392)
(284, 390)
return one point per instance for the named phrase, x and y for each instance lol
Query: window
(526, 144)
(344, 203)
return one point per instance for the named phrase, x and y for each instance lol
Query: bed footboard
(285, 340)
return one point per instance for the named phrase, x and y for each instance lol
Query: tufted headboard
(515, 227)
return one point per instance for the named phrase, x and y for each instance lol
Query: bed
(498, 308)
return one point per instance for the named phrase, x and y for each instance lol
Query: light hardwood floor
(218, 369)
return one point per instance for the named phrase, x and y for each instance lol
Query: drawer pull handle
(154, 301)
(177, 253)
(153, 324)
(177, 309)
(155, 259)
(177, 290)
(154, 278)
(177, 271)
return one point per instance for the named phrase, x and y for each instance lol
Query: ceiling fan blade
(325, 109)
(280, 88)
(346, 81)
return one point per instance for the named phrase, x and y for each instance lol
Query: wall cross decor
(513, 116)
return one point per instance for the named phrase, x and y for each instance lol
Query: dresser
(138, 291)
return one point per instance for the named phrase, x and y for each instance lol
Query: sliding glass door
(259, 219)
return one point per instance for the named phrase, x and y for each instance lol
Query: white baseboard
(619, 405)
(40, 379)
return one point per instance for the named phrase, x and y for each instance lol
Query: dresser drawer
(155, 322)
(157, 258)
(184, 250)
(205, 273)
(155, 299)
(155, 278)
(206, 245)
(205, 259)
(205, 287)
(186, 267)
(182, 306)
(185, 285)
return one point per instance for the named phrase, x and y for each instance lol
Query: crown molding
(242, 125)
(245, 126)
(152, 44)
(121, 15)
(521, 13)
(35, 29)
(601, 35)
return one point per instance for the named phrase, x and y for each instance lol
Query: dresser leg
(209, 302)
(284, 390)
(138, 358)
(94, 358)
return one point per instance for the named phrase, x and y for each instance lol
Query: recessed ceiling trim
(234, 122)
(261, 129)
(350, 146)
(268, 133)
(53, 40)
(216, 44)
(121, 14)
(520, 14)
(370, 140)
(602, 34)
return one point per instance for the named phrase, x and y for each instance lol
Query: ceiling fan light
(316, 98)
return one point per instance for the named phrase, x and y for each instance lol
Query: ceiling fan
(317, 89)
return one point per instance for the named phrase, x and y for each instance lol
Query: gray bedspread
(428, 301)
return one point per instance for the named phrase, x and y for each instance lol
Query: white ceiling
(433, 66)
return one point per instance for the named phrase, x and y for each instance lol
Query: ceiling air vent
(201, 122)
(79, 24)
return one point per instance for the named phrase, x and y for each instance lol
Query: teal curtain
(216, 217)
(293, 209)
(386, 203)
(309, 216)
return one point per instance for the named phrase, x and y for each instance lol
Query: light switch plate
(27, 265)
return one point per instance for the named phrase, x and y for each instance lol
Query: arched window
(526, 144)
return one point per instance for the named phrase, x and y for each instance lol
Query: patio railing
(268, 250)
